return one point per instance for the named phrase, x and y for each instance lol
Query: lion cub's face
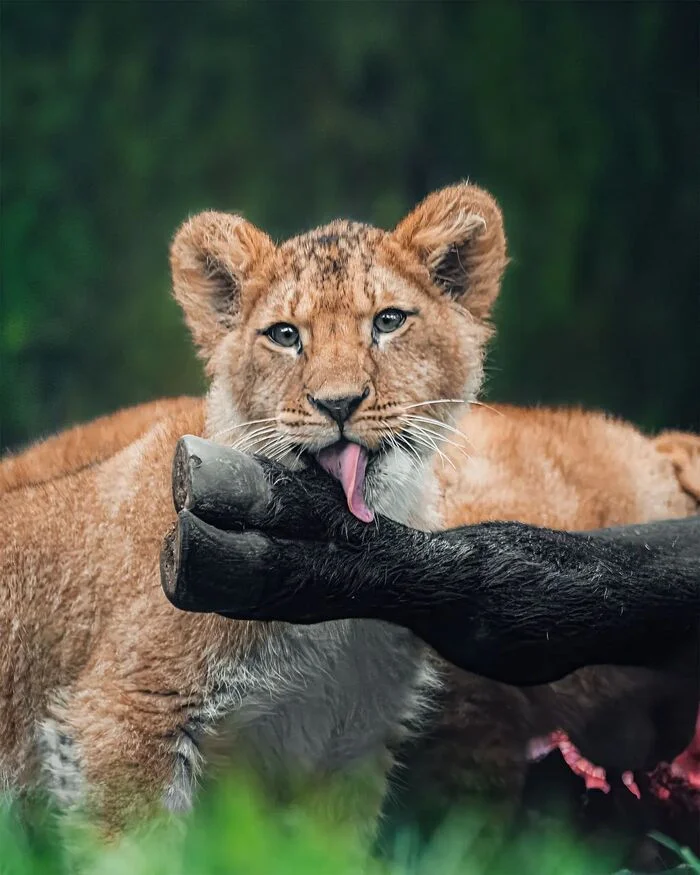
(344, 343)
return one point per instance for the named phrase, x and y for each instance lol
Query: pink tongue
(347, 463)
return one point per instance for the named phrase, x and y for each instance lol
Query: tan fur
(568, 469)
(102, 681)
(89, 643)
(683, 449)
(85, 445)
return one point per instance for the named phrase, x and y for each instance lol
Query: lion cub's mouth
(347, 462)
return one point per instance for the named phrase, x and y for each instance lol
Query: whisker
(488, 407)
(287, 451)
(247, 445)
(284, 445)
(264, 431)
(441, 437)
(437, 422)
(436, 401)
(241, 425)
(402, 440)
(398, 442)
(424, 438)
(260, 430)
(445, 440)
(437, 436)
(266, 450)
(277, 446)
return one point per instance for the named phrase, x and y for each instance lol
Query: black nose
(338, 409)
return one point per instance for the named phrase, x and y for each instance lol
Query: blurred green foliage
(233, 832)
(121, 118)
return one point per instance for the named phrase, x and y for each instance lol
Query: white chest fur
(323, 698)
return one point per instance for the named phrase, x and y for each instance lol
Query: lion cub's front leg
(120, 752)
(120, 742)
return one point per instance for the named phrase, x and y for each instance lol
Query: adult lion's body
(90, 443)
(347, 332)
(564, 469)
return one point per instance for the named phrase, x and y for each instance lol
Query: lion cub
(318, 347)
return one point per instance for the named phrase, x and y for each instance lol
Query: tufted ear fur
(457, 233)
(211, 257)
(683, 449)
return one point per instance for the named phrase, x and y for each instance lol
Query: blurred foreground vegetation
(233, 833)
(121, 118)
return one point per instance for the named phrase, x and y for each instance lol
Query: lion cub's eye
(389, 320)
(283, 334)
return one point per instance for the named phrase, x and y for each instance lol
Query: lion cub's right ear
(211, 257)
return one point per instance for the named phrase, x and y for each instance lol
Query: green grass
(233, 833)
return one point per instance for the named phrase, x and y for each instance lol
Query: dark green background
(120, 119)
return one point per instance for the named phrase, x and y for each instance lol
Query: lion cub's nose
(338, 409)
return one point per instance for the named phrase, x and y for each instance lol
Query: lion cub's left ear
(212, 257)
(458, 235)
